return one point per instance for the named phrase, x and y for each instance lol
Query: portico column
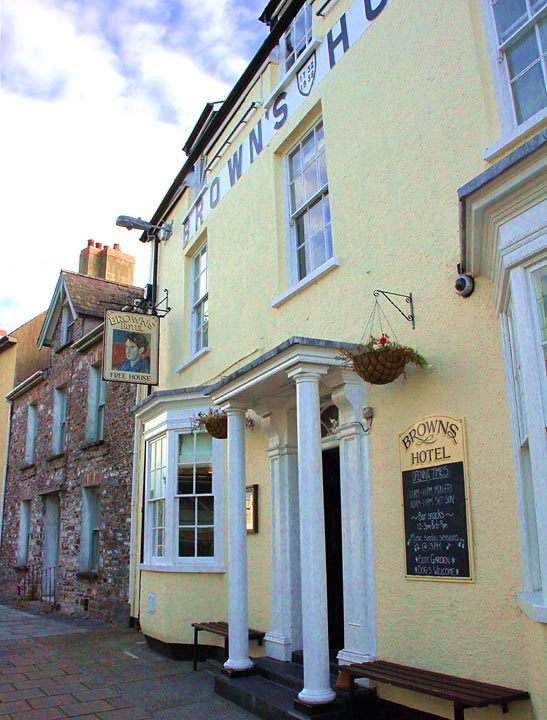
(349, 396)
(317, 689)
(285, 633)
(238, 611)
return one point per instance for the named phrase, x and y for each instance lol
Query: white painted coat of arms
(306, 76)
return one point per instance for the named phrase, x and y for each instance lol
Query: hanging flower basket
(214, 421)
(381, 361)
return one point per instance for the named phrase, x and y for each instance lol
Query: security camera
(464, 285)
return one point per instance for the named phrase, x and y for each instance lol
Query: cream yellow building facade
(394, 145)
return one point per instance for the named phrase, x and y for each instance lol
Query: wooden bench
(463, 693)
(220, 628)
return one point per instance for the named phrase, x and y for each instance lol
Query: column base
(278, 647)
(238, 669)
(316, 697)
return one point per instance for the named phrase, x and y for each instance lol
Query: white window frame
(523, 243)
(511, 128)
(60, 420)
(194, 438)
(67, 322)
(200, 302)
(91, 529)
(156, 498)
(96, 404)
(303, 212)
(170, 425)
(23, 539)
(300, 43)
(32, 428)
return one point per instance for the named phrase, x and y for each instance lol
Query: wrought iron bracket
(162, 308)
(408, 299)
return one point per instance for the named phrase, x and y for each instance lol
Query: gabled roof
(86, 295)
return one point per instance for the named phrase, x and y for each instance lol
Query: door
(50, 549)
(333, 543)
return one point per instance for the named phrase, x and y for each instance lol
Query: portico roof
(267, 375)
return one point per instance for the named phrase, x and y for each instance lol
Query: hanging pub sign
(131, 347)
(435, 497)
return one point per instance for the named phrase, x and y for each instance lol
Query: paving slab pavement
(54, 667)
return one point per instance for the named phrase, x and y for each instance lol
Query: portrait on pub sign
(131, 344)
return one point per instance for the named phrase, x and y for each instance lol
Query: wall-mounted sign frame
(131, 347)
(435, 499)
(251, 508)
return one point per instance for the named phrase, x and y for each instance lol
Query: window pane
(187, 511)
(186, 542)
(185, 485)
(523, 53)
(529, 93)
(204, 448)
(509, 16)
(206, 513)
(206, 542)
(204, 481)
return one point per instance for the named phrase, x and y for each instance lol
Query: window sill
(27, 466)
(91, 444)
(199, 567)
(533, 605)
(87, 575)
(55, 456)
(332, 263)
(292, 72)
(192, 360)
(21, 568)
(514, 137)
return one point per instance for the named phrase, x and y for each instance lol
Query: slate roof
(90, 295)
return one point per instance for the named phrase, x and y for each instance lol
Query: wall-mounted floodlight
(131, 223)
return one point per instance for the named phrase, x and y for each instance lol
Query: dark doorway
(333, 542)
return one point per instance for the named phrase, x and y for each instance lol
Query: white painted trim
(329, 265)
(192, 360)
(533, 605)
(512, 137)
(184, 568)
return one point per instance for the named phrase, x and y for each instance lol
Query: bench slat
(221, 628)
(463, 691)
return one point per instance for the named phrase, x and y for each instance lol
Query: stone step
(272, 701)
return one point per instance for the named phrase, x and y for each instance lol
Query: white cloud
(96, 102)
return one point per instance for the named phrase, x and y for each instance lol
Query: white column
(238, 609)
(317, 689)
(285, 633)
(349, 396)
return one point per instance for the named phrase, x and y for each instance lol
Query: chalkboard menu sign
(435, 500)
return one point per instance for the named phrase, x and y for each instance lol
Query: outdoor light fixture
(131, 223)
(165, 232)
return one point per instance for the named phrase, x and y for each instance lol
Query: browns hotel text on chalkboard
(435, 501)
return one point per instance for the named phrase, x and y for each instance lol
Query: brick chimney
(107, 263)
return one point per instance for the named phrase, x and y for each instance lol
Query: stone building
(67, 504)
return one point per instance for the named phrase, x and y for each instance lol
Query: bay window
(183, 490)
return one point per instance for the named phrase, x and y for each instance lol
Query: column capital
(307, 371)
(234, 408)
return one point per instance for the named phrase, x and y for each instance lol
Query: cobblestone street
(54, 667)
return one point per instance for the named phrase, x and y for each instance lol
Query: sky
(97, 98)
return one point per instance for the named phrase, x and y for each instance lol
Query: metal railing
(39, 584)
